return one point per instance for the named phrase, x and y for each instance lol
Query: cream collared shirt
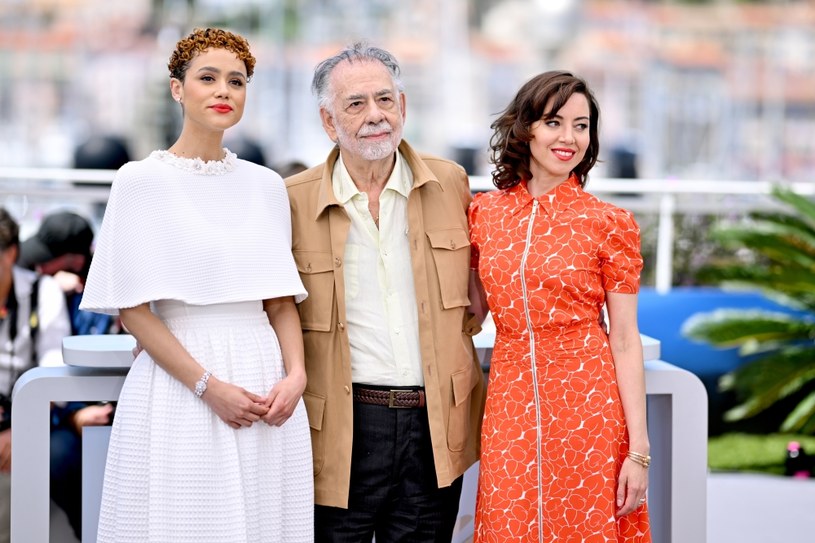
(383, 326)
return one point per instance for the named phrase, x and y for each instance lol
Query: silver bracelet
(201, 385)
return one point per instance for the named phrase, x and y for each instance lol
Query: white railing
(662, 197)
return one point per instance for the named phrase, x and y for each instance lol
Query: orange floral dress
(554, 434)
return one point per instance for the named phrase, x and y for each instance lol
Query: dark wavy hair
(202, 39)
(509, 144)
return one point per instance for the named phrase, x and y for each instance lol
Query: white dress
(204, 243)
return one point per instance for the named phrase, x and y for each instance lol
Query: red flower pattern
(554, 434)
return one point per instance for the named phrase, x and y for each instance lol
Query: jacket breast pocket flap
(449, 239)
(317, 273)
(452, 257)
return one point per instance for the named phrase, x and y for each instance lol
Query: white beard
(370, 150)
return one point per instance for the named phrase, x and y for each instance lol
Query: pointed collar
(400, 180)
(554, 202)
(420, 172)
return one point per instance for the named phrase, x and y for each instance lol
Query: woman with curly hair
(565, 448)
(210, 440)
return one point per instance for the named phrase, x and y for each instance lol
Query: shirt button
(337, 262)
(341, 326)
(347, 389)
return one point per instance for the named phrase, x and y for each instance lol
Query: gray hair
(359, 51)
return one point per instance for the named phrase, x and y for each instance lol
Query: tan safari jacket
(440, 245)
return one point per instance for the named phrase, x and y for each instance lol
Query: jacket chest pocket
(451, 254)
(317, 273)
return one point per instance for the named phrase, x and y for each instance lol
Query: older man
(395, 392)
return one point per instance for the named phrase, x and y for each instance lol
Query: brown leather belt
(391, 398)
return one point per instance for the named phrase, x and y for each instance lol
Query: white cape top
(201, 233)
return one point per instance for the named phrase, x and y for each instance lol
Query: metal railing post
(665, 243)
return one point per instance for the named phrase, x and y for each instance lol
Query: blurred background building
(722, 89)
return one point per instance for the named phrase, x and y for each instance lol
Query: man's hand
(93, 415)
(68, 282)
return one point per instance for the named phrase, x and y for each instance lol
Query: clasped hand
(239, 408)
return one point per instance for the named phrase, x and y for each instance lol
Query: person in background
(210, 440)
(33, 323)
(61, 248)
(290, 167)
(565, 449)
(395, 391)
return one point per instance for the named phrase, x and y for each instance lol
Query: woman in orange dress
(565, 450)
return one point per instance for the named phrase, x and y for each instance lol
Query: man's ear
(328, 124)
(403, 103)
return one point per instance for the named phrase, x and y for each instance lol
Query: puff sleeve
(621, 260)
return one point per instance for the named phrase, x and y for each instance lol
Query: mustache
(371, 129)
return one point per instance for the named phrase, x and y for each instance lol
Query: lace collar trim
(197, 165)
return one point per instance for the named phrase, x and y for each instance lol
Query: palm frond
(809, 426)
(802, 205)
(794, 226)
(780, 263)
(776, 244)
(789, 286)
(765, 381)
(801, 416)
(727, 328)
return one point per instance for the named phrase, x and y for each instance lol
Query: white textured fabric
(380, 309)
(176, 473)
(204, 243)
(174, 232)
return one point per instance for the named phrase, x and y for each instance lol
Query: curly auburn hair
(202, 39)
(509, 144)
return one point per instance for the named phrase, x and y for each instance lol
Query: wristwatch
(201, 385)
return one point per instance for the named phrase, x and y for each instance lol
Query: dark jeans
(394, 494)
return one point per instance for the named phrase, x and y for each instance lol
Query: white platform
(99, 351)
(677, 425)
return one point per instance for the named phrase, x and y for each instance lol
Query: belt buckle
(392, 400)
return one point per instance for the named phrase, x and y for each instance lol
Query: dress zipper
(533, 364)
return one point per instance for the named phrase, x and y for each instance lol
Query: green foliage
(692, 247)
(775, 255)
(758, 453)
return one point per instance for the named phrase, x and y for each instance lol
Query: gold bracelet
(643, 460)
